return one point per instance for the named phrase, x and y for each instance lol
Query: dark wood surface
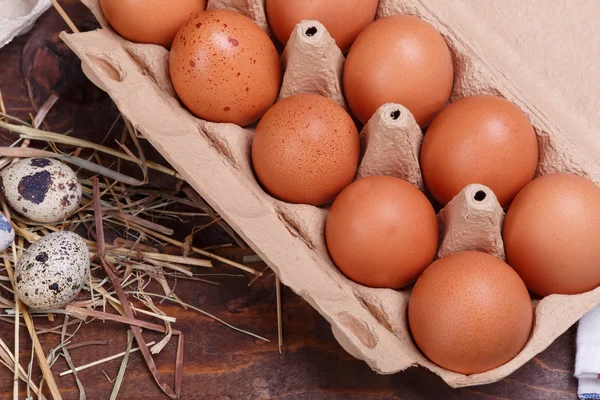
(221, 364)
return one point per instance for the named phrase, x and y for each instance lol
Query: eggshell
(400, 59)
(382, 232)
(469, 312)
(479, 139)
(52, 271)
(7, 233)
(41, 189)
(551, 235)
(225, 68)
(344, 19)
(150, 21)
(306, 149)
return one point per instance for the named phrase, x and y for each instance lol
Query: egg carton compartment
(371, 324)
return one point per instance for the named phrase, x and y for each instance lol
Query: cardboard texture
(472, 221)
(215, 159)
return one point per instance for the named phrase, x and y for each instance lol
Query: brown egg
(551, 235)
(150, 21)
(469, 312)
(479, 139)
(305, 149)
(225, 68)
(382, 232)
(400, 59)
(344, 19)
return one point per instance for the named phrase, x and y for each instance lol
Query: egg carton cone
(371, 324)
(312, 63)
(252, 9)
(472, 220)
(391, 142)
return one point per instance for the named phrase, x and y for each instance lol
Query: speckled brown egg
(400, 59)
(344, 19)
(41, 189)
(305, 149)
(382, 232)
(551, 235)
(479, 139)
(52, 271)
(469, 312)
(225, 68)
(150, 21)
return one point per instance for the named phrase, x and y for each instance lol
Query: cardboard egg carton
(214, 158)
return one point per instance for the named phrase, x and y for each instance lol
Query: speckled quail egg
(52, 271)
(7, 233)
(41, 189)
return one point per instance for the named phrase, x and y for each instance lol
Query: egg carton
(371, 324)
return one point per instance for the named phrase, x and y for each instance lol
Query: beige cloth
(18, 16)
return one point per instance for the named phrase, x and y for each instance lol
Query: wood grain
(221, 364)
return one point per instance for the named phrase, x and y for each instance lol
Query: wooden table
(221, 364)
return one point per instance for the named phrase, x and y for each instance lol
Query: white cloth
(587, 362)
(18, 16)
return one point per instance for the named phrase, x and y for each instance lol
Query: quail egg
(52, 271)
(7, 233)
(41, 189)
